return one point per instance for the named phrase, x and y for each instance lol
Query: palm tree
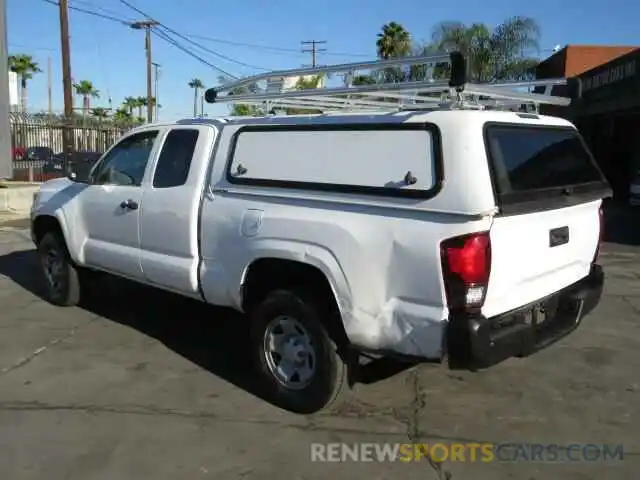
(129, 104)
(141, 102)
(196, 84)
(393, 41)
(494, 54)
(122, 114)
(87, 91)
(152, 106)
(25, 67)
(99, 112)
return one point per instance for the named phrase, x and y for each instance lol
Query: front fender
(55, 201)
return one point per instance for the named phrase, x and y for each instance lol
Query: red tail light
(466, 264)
(600, 234)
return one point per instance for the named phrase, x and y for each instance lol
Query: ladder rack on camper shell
(433, 92)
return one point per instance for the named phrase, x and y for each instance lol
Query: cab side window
(126, 163)
(175, 158)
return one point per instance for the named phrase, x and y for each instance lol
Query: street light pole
(156, 67)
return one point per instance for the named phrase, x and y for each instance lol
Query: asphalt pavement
(140, 383)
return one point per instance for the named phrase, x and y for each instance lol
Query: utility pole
(156, 67)
(49, 88)
(67, 139)
(146, 25)
(314, 50)
(6, 165)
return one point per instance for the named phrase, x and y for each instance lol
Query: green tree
(394, 41)
(141, 102)
(307, 83)
(25, 67)
(129, 104)
(501, 53)
(87, 91)
(99, 112)
(363, 80)
(122, 114)
(239, 109)
(197, 85)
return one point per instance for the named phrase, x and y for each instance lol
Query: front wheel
(61, 278)
(297, 359)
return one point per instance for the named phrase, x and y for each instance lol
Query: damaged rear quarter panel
(383, 264)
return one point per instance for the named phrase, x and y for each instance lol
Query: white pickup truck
(459, 233)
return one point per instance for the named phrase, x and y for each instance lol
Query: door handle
(129, 205)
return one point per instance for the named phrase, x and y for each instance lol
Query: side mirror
(73, 176)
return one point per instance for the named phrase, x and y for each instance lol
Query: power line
(272, 48)
(93, 6)
(224, 57)
(170, 40)
(212, 52)
(89, 12)
(103, 69)
(275, 49)
(161, 34)
(314, 50)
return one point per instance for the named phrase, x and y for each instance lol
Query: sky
(112, 55)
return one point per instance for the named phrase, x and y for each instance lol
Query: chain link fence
(37, 143)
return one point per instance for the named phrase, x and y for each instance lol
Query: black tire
(65, 291)
(330, 376)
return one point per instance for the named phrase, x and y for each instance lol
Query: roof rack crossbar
(329, 103)
(430, 93)
(329, 69)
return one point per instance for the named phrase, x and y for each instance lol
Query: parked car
(39, 153)
(79, 163)
(18, 153)
(458, 233)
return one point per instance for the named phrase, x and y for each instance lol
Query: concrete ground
(142, 384)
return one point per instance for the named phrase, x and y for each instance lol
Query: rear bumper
(479, 342)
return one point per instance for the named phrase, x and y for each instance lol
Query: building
(574, 60)
(607, 107)
(283, 84)
(14, 101)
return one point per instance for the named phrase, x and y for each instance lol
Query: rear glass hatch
(546, 235)
(540, 167)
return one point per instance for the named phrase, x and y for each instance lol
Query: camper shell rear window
(540, 163)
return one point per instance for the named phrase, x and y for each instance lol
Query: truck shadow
(213, 338)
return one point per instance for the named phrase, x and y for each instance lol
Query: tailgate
(549, 191)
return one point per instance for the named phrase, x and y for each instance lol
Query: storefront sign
(609, 76)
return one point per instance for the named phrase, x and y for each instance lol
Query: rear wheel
(61, 278)
(296, 354)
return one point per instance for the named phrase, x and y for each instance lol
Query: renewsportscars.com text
(465, 452)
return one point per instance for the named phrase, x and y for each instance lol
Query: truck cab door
(169, 223)
(110, 206)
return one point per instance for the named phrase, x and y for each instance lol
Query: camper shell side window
(395, 159)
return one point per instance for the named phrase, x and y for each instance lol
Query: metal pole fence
(37, 143)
